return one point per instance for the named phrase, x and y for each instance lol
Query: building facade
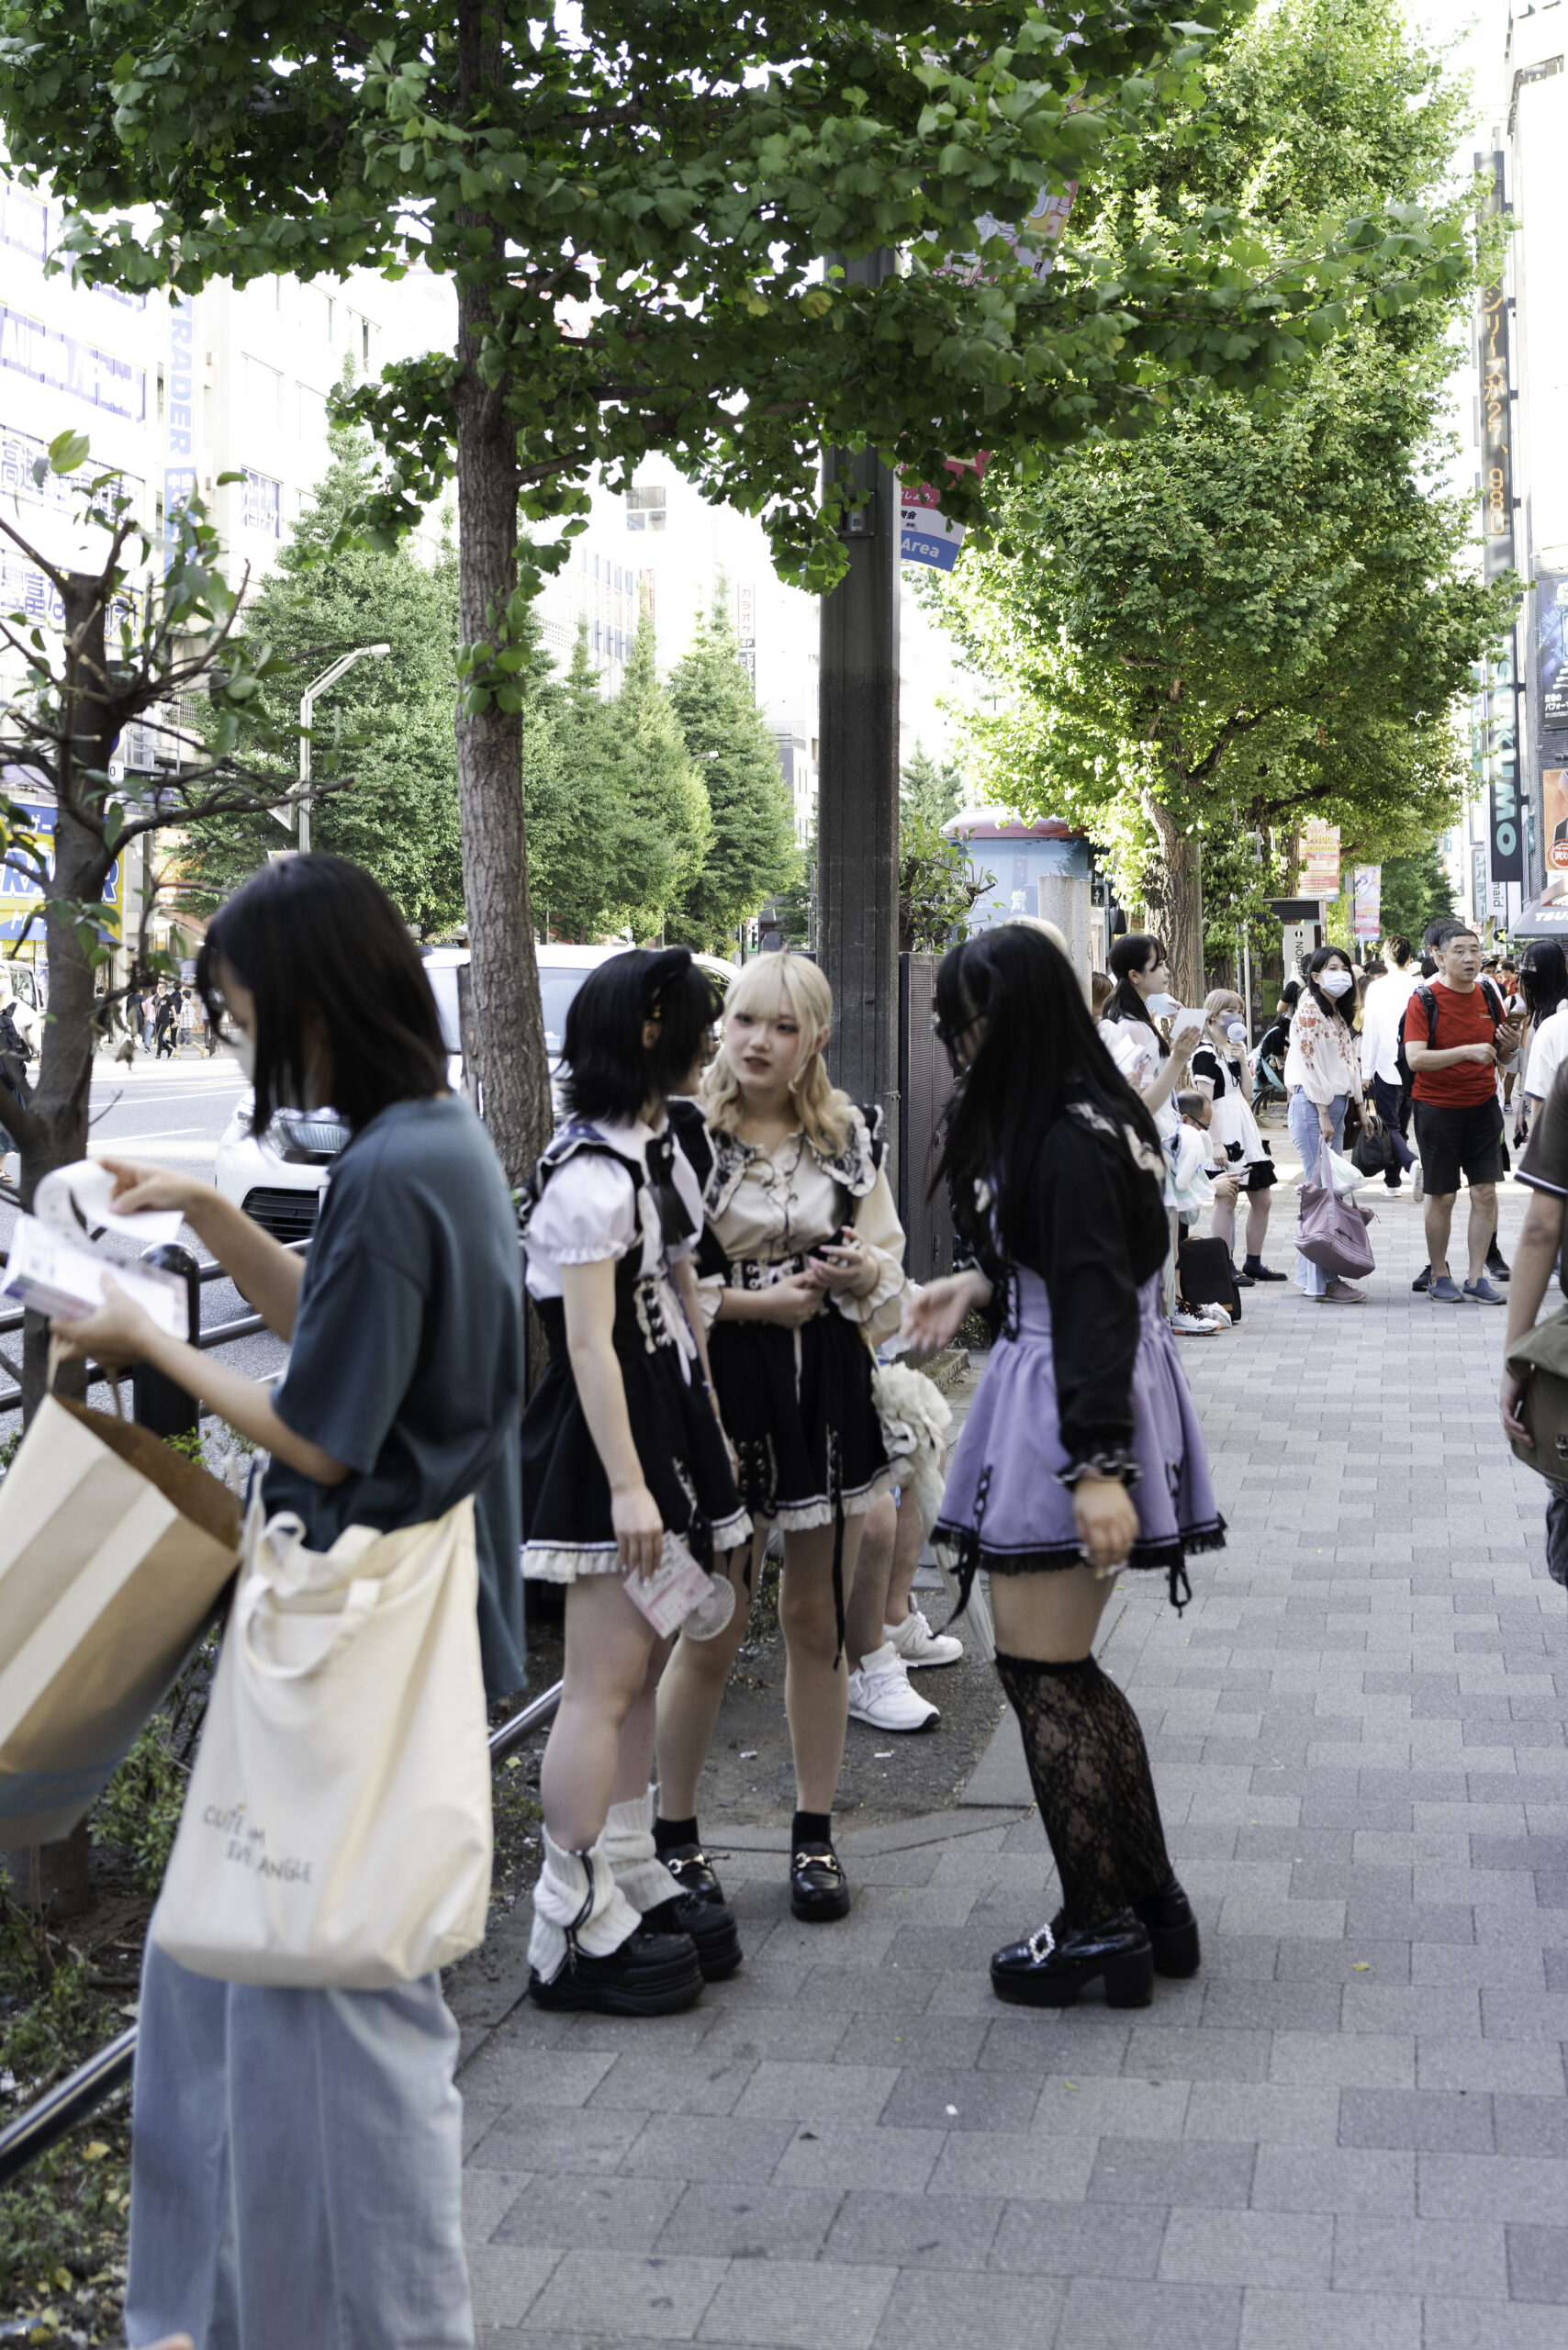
(1514, 843)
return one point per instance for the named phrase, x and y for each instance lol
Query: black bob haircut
(1136, 952)
(608, 1073)
(1039, 1039)
(315, 934)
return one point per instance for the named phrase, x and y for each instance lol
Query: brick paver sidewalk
(1350, 2130)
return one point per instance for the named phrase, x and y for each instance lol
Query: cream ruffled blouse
(768, 1210)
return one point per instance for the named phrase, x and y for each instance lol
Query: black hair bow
(675, 1220)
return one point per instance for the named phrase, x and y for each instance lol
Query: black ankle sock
(811, 1828)
(1251, 1264)
(670, 1832)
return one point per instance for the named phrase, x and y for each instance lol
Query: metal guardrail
(221, 1334)
(59, 2111)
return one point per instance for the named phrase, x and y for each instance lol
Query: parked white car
(277, 1177)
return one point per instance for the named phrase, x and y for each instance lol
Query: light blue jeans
(297, 2171)
(1307, 1137)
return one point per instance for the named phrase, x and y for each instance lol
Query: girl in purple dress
(1082, 1453)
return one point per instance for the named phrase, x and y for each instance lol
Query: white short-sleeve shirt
(591, 1212)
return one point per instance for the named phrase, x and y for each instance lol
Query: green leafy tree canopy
(641, 205)
(388, 722)
(753, 851)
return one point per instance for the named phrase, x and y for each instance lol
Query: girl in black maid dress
(620, 1445)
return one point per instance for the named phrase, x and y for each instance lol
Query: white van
(277, 1177)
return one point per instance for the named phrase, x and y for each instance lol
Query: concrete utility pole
(857, 778)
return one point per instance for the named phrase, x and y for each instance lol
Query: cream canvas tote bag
(337, 1828)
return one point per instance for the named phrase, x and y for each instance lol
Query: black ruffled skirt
(797, 1406)
(567, 1523)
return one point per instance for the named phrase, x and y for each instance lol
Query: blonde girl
(802, 1263)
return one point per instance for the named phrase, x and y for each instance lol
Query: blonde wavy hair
(823, 1110)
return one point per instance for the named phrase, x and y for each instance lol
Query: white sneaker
(1192, 1325)
(879, 1693)
(917, 1644)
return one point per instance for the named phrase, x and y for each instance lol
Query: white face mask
(243, 1048)
(1335, 983)
(1163, 1007)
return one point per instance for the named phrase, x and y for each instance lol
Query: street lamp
(328, 676)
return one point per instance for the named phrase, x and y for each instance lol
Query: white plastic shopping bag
(1343, 1173)
(337, 1829)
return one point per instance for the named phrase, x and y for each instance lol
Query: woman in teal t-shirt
(296, 2172)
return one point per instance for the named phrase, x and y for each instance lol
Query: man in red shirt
(1459, 1119)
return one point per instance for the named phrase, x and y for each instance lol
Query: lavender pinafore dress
(1003, 1509)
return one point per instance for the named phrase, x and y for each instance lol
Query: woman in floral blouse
(1323, 1070)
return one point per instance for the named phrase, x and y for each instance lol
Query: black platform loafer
(1045, 1973)
(711, 1926)
(699, 1908)
(692, 1872)
(1172, 1930)
(819, 1891)
(650, 1975)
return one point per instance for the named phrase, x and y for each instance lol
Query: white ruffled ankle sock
(576, 1902)
(628, 1843)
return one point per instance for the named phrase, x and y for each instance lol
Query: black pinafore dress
(567, 1525)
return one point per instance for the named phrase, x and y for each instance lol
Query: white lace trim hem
(564, 1561)
(799, 1518)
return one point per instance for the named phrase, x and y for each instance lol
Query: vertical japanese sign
(1506, 847)
(179, 479)
(1367, 918)
(1319, 860)
(1506, 842)
(745, 627)
(1552, 650)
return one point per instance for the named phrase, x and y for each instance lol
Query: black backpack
(1429, 1006)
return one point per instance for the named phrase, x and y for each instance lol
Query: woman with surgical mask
(1221, 1071)
(1322, 1067)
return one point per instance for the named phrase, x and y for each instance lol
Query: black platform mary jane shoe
(1172, 1930)
(650, 1975)
(1045, 1973)
(819, 1891)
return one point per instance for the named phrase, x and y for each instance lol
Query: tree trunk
(512, 1066)
(1173, 888)
(53, 1130)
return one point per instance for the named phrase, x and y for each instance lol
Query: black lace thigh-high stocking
(1140, 1837)
(1072, 1769)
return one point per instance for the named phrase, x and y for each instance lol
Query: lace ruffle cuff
(1114, 1463)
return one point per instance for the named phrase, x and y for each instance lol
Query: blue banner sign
(21, 896)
